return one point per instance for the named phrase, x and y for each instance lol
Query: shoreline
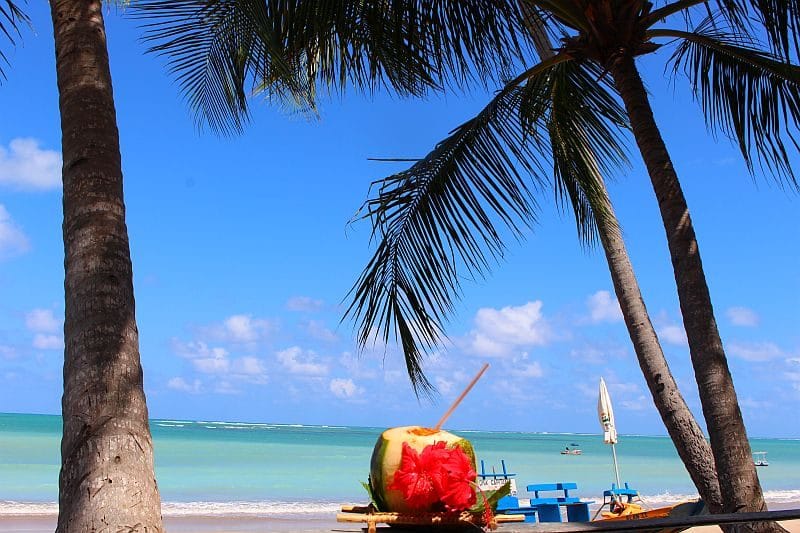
(299, 523)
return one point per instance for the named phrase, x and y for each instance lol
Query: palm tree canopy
(440, 217)
(224, 50)
(427, 234)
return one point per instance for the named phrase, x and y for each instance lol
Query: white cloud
(7, 352)
(755, 351)
(12, 240)
(356, 367)
(297, 361)
(344, 388)
(42, 321)
(249, 366)
(42, 341)
(26, 166)
(498, 331)
(640, 403)
(226, 387)
(317, 330)
(742, 316)
(444, 386)
(212, 365)
(752, 403)
(182, 385)
(244, 328)
(604, 308)
(531, 370)
(216, 360)
(673, 334)
(197, 350)
(304, 303)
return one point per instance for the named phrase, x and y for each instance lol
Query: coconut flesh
(387, 455)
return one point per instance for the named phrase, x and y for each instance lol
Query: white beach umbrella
(606, 414)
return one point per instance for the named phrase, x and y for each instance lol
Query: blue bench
(617, 493)
(548, 508)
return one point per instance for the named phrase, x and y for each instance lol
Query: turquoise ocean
(224, 468)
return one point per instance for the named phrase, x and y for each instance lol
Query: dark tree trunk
(681, 425)
(107, 480)
(736, 472)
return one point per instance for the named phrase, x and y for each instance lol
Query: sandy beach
(238, 524)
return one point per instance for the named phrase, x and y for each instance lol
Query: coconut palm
(107, 480)
(422, 215)
(425, 225)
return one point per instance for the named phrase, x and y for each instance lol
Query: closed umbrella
(606, 414)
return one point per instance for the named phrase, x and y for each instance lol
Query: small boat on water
(760, 459)
(575, 450)
(571, 451)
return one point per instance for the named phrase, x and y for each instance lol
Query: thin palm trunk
(683, 429)
(736, 472)
(681, 425)
(107, 480)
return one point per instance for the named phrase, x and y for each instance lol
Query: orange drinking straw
(461, 397)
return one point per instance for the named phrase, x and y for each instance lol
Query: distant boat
(571, 451)
(760, 459)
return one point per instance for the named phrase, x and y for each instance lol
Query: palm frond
(748, 94)
(214, 49)
(780, 19)
(583, 125)
(292, 48)
(436, 221)
(11, 17)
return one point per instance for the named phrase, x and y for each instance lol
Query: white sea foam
(308, 508)
(265, 508)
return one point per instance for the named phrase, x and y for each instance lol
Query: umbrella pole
(616, 467)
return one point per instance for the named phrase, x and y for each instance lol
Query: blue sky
(243, 256)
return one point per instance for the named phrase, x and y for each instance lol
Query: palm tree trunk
(683, 429)
(107, 480)
(736, 472)
(681, 425)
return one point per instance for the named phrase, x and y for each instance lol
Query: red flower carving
(438, 476)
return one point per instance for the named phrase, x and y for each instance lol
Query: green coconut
(387, 455)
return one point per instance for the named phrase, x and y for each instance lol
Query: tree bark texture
(738, 480)
(681, 425)
(107, 480)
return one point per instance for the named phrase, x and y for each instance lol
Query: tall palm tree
(748, 92)
(678, 419)
(107, 480)
(409, 286)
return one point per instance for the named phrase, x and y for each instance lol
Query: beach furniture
(544, 506)
(760, 459)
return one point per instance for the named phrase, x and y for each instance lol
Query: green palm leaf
(583, 120)
(435, 222)
(779, 18)
(287, 48)
(11, 17)
(215, 49)
(748, 94)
